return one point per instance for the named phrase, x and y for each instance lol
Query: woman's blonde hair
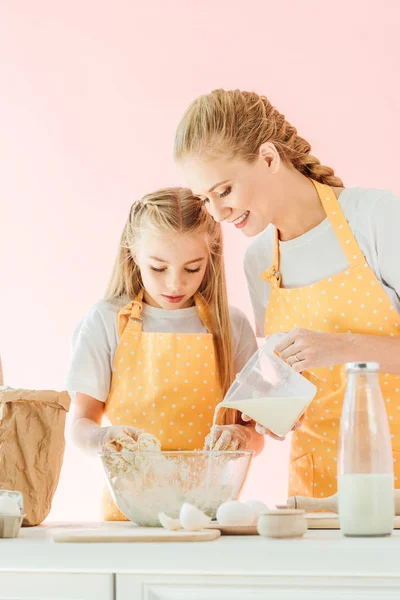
(235, 124)
(176, 211)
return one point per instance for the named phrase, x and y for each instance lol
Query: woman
(324, 269)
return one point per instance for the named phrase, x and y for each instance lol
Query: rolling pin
(328, 504)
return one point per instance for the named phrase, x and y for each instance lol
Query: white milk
(366, 504)
(278, 414)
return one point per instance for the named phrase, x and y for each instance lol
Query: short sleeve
(257, 260)
(92, 352)
(385, 227)
(243, 337)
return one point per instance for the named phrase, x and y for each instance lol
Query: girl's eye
(193, 270)
(158, 270)
(226, 192)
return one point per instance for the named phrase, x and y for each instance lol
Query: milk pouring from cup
(269, 391)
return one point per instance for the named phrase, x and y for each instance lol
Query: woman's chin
(253, 227)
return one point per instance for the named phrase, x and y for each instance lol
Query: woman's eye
(226, 192)
(204, 200)
(193, 270)
(158, 270)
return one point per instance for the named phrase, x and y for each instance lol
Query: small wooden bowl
(282, 523)
(10, 526)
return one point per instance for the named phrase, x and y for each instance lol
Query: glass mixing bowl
(143, 484)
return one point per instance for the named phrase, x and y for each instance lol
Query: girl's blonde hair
(235, 124)
(176, 211)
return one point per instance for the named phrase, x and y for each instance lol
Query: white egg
(258, 508)
(9, 507)
(193, 519)
(235, 513)
(169, 523)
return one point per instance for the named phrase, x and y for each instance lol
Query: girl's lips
(173, 299)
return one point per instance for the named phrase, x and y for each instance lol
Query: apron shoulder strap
(339, 224)
(131, 312)
(203, 310)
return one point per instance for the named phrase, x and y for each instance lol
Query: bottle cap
(352, 367)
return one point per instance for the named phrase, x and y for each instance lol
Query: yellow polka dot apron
(352, 301)
(164, 383)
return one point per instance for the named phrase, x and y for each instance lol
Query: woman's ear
(133, 258)
(270, 155)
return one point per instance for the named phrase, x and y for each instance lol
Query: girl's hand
(228, 437)
(119, 437)
(264, 431)
(303, 349)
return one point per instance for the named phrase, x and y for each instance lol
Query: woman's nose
(218, 213)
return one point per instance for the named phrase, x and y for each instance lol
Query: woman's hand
(303, 349)
(264, 431)
(229, 437)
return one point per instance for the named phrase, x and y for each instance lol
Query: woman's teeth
(242, 218)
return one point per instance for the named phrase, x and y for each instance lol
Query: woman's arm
(304, 349)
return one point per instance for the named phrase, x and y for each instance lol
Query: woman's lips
(242, 220)
(173, 299)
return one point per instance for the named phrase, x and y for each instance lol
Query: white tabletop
(319, 552)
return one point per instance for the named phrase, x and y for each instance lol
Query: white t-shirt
(95, 341)
(374, 218)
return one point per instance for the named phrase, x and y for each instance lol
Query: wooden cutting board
(234, 529)
(134, 534)
(331, 521)
(316, 520)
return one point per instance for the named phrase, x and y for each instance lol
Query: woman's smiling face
(236, 191)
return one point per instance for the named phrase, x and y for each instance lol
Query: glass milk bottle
(365, 471)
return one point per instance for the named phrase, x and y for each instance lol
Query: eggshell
(9, 507)
(257, 507)
(193, 519)
(235, 513)
(169, 523)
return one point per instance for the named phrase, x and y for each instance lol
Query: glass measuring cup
(269, 391)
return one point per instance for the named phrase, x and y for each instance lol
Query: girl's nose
(173, 282)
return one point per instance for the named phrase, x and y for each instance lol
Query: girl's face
(172, 268)
(241, 193)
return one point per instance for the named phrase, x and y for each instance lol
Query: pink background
(90, 94)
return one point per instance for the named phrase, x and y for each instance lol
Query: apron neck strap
(340, 226)
(132, 313)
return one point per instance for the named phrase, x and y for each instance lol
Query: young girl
(159, 353)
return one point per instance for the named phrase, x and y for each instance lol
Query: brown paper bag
(32, 443)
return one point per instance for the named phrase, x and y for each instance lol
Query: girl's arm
(87, 432)
(86, 424)
(256, 440)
